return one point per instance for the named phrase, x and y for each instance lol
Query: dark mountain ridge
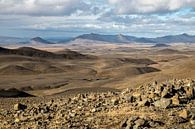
(32, 52)
(40, 40)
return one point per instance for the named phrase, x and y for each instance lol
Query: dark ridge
(138, 61)
(67, 53)
(13, 93)
(41, 40)
(144, 70)
(15, 69)
(161, 45)
(32, 52)
(88, 90)
(169, 51)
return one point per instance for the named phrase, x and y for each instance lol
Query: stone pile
(164, 105)
(165, 95)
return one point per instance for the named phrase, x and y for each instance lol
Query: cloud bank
(74, 17)
(150, 6)
(41, 7)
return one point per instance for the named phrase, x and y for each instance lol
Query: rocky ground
(167, 105)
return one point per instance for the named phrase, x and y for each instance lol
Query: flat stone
(162, 103)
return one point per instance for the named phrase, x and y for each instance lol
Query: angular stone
(136, 94)
(139, 122)
(184, 114)
(192, 122)
(123, 123)
(144, 103)
(175, 100)
(19, 106)
(165, 92)
(115, 101)
(162, 103)
(189, 92)
(129, 99)
(17, 120)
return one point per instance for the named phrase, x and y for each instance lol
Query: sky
(70, 18)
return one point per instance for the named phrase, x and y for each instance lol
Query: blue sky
(68, 18)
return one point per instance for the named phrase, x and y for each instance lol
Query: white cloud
(41, 7)
(150, 6)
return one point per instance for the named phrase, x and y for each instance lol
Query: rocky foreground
(166, 105)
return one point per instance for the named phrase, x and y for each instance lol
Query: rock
(19, 106)
(126, 91)
(162, 103)
(139, 122)
(192, 122)
(129, 99)
(167, 92)
(93, 110)
(175, 100)
(17, 120)
(184, 114)
(143, 103)
(189, 92)
(123, 123)
(136, 94)
(115, 101)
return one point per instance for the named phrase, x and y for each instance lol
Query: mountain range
(182, 38)
(120, 38)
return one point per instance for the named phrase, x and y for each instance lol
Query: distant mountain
(183, 38)
(40, 40)
(120, 38)
(113, 38)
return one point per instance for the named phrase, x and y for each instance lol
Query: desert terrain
(53, 70)
(64, 75)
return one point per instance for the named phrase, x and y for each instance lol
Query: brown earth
(41, 72)
(44, 74)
